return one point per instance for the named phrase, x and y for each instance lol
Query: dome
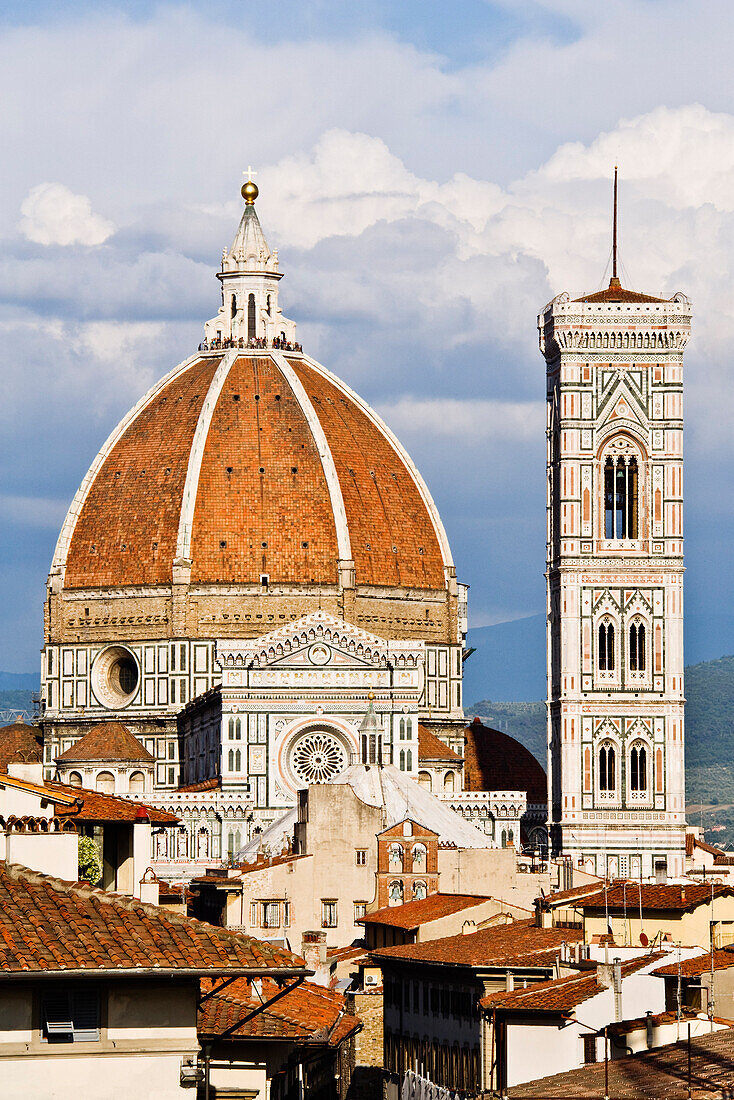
(494, 761)
(240, 466)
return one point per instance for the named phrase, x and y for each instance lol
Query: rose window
(316, 757)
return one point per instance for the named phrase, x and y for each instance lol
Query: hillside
(709, 737)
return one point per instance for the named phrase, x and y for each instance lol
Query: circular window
(115, 676)
(316, 756)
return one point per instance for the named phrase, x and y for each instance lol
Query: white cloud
(52, 214)
(480, 421)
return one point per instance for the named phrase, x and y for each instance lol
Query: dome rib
(63, 543)
(196, 455)
(324, 451)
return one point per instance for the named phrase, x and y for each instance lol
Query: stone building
(252, 526)
(614, 363)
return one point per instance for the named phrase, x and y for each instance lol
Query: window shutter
(85, 1008)
(57, 1018)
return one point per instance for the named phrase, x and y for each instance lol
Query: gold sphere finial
(370, 694)
(249, 192)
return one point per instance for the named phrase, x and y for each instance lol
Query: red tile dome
(241, 464)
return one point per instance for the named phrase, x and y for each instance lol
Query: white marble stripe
(327, 459)
(191, 486)
(58, 565)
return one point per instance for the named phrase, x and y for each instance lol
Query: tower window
(637, 647)
(606, 646)
(234, 305)
(620, 497)
(251, 317)
(638, 769)
(607, 769)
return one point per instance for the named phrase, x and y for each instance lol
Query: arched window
(75, 779)
(267, 306)
(449, 781)
(395, 857)
(424, 780)
(230, 760)
(504, 838)
(402, 760)
(409, 728)
(395, 893)
(238, 730)
(620, 497)
(607, 769)
(105, 782)
(420, 855)
(137, 783)
(409, 760)
(231, 728)
(637, 646)
(402, 729)
(606, 646)
(238, 761)
(638, 769)
(251, 333)
(234, 304)
(420, 890)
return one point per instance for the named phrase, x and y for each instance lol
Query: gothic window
(607, 769)
(606, 646)
(238, 761)
(402, 760)
(420, 855)
(638, 769)
(408, 728)
(395, 857)
(230, 760)
(620, 497)
(637, 646)
(409, 760)
(231, 728)
(251, 318)
(238, 730)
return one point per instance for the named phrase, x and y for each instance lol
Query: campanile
(615, 578)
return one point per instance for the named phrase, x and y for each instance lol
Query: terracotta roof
(47, 926)
(694, 842)
(681, 897)
(521, 943)
(559, 994)
(563, 897)
(109, 742)
(212, 784)
(616, 293)
(263, 863)
(20, 743)
(659, 1073)
(415, 913)
(494, 761)
(431, 747)
(103, 807)
(262, 503)
(693, 968)
(307, 1013)
(62, 797)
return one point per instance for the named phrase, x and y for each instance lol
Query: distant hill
(709, 729)
(509, 658)
(13, 703)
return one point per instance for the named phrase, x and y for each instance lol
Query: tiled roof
(96, 806)
(559, 994)
(308, 1012)
(564, 897)
(660, 1073)
(494, 761)
(212, 784)
(415, 913)
(20, 742)
(262, 864)
(62, 797)
(47, 926)
(694, 842)
(693, 968)
(681, 897)
(262, 503)
(616, 293)
(109, 742)
(431, 747)
(521, 943)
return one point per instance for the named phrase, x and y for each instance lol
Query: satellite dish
(643, 939)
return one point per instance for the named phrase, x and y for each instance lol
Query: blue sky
(432, 175)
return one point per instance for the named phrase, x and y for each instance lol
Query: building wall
(685, 928)
(147, 1029)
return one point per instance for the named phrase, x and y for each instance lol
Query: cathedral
(615, 578)
(251, 558)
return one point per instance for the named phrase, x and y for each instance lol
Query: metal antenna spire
(614, 280)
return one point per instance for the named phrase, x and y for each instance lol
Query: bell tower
(614, 364)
